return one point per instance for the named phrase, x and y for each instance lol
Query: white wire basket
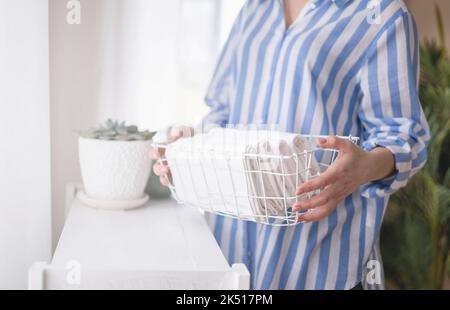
(263, 191)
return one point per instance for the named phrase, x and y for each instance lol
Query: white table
(161, 237)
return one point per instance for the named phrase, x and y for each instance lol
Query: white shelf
(161, 237)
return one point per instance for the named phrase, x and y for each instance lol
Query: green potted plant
(415, 237)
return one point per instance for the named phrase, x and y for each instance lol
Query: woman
(329, 67)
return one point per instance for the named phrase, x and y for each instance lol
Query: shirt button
(249, 254)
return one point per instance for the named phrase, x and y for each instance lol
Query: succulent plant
(118, 131)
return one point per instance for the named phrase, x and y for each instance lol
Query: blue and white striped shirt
(339, 69)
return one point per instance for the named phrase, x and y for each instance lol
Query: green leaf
(440, 26)
(115, 130)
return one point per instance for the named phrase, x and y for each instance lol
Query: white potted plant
(115, 165)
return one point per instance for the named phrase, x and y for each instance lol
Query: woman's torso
(305, 78)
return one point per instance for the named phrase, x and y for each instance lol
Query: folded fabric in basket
(250, 174)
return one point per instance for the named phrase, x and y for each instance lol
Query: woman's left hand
(352, 168)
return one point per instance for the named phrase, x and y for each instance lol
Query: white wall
(106, 67)
(25, 139)
(74, 74)
(145, 61)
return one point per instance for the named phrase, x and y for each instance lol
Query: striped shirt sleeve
(218, 91)
(390, 109)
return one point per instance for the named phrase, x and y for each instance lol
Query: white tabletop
(162, 235)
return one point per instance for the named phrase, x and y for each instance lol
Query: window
(167, 54)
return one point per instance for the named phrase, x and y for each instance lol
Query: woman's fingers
(333, 142)
(160, 170)
(336, 183)
(180, 132)
(164, 180)
(323, 198)
(317, 214)
(317, 183)
(157, 153)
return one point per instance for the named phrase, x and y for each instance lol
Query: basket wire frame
(287, 217)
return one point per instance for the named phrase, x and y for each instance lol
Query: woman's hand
(161, 169)
(352, 168)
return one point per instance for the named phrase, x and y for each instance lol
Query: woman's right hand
(161, 169)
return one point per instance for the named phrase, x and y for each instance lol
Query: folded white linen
(275, 171)
(241, 172)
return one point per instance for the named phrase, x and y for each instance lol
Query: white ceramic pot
(114, 170)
